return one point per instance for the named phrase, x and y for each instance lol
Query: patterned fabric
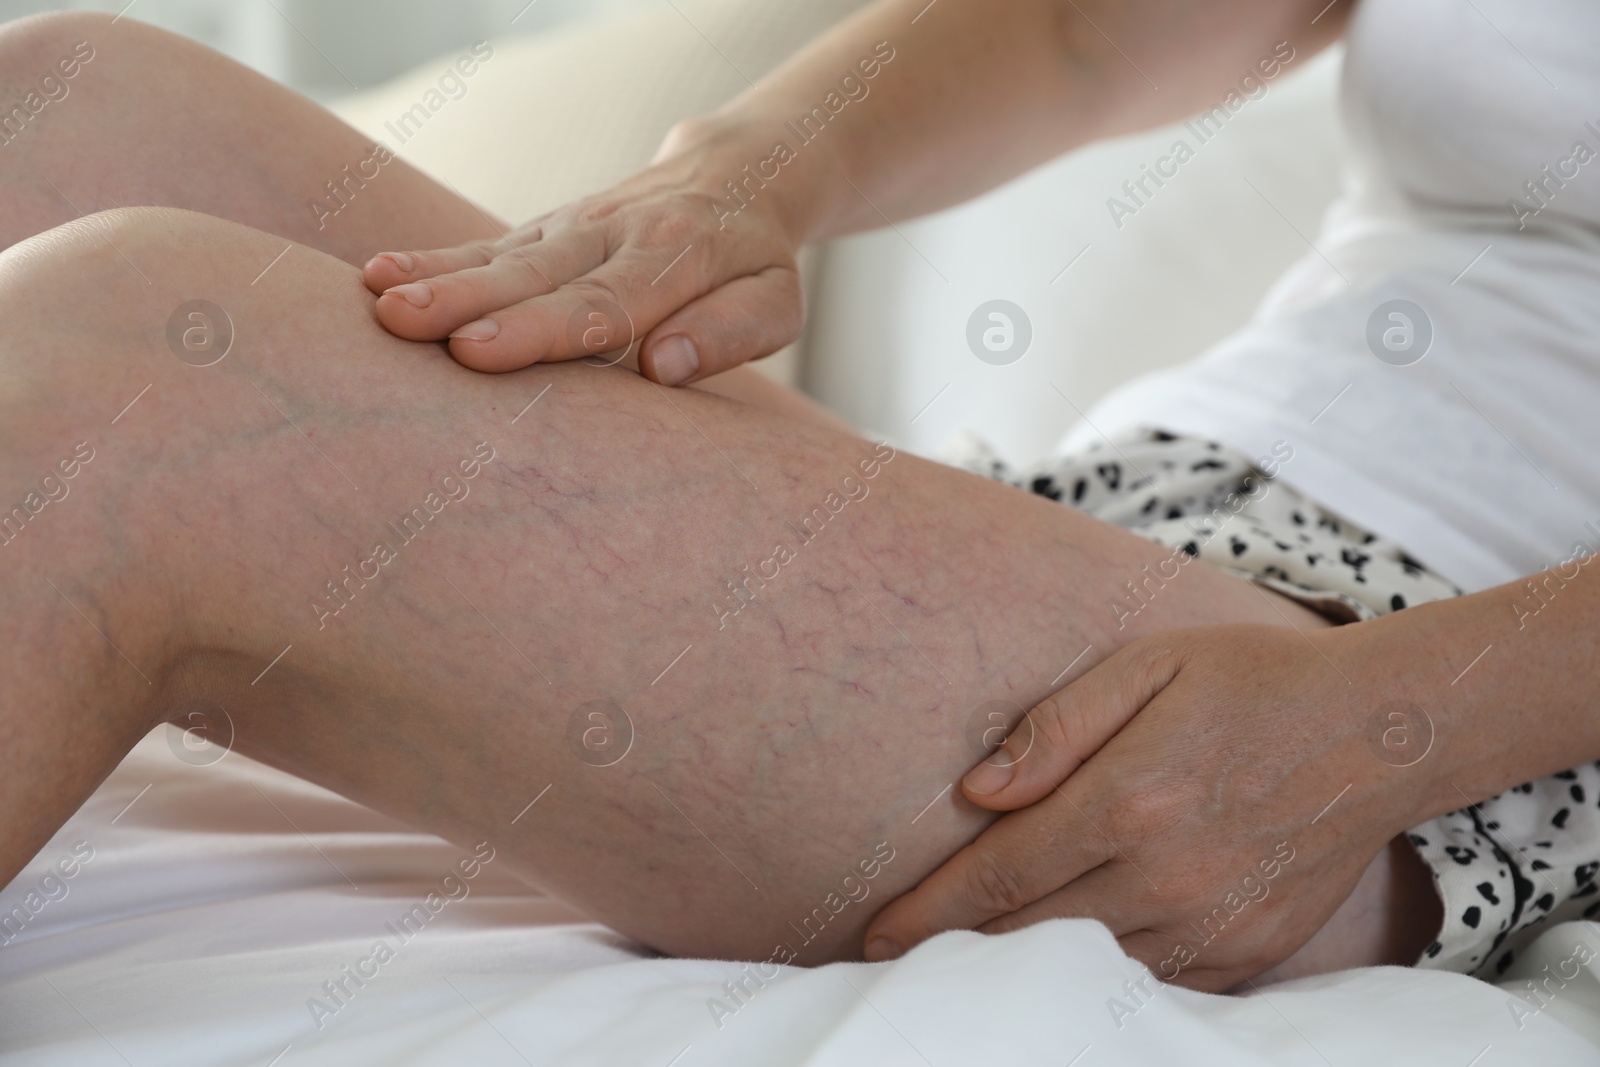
(1503, 867)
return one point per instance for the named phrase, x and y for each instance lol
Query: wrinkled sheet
(217, 900)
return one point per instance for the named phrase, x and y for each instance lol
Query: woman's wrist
(748, 162)
(1467, 700)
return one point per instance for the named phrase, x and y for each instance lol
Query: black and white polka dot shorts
(1503, 868)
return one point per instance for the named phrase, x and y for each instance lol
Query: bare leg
(154, 119)
(834, 685)
(237, 512)
(211, 136)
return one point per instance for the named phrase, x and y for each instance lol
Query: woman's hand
(1234, 786)
(661, 258)
(848, 133)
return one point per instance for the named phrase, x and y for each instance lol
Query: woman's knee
(159, 302)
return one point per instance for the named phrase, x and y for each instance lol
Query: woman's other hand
(1211, 795)
(668, 257)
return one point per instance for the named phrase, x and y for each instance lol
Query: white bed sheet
(216, 905)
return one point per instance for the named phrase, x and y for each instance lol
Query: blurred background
(580, 93)
(326, 48)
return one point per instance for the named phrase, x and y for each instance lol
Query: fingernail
(417, 294)
(987, 777)
(403, 260)
(479, 330)
(676, 360)
(880, 949)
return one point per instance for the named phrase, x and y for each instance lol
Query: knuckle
(793, 296)
(596, 291)
(526, 266)
(671, 228)
(994, 885)
(1154, 656)
(780, 314)
(1152, 808)
(1057, 722)
(486, 250)
(596, 209)
(686, 132)
(515, 261)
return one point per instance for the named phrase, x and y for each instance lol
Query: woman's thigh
(683, 663)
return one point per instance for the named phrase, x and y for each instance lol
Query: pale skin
(976, 94)
(777, 754)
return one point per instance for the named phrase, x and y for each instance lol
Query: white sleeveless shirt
(1472, 192)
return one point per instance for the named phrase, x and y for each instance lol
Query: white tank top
(1472, 193)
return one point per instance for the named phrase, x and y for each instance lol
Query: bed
(204, 909)
(221, 912)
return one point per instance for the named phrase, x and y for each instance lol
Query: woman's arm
(905, 108)
(1202, 752)
(978, 93)
(1510, 677)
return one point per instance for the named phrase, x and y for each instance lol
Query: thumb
(1070, 725)
(749, 317)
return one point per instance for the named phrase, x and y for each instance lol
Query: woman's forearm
(911, 106)
(1509, 679)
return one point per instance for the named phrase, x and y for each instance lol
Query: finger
(1015, 862)
(746, 319)
(1069, 726)
(601, 313)
(435, 308)
(389, 269)
(1113, 893)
